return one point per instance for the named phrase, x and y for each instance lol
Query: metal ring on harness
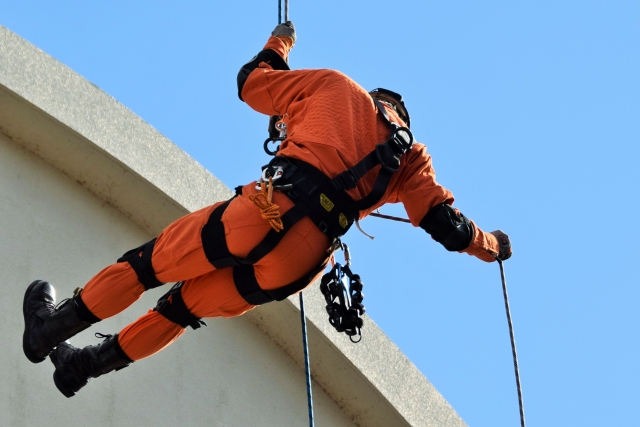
(402, 144)
(266, 144)
(389, 152)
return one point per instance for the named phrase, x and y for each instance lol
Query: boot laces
(49, 309)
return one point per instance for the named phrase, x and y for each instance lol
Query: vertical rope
(513, 343)
(303, 317)
(307, 369)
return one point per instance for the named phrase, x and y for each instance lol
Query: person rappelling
(347, 151)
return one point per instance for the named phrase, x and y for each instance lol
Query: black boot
(75, 366)
(45, 325)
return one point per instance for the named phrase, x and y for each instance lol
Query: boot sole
(25, 336)
(58, 379)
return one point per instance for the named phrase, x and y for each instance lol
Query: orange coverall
(332, 123)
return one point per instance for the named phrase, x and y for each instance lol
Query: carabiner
(266, 144)
(347, 255)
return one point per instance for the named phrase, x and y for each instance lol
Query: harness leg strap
(172, 306)
(140, 260)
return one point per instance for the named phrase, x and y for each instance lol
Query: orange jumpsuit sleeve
(256, 91)
(419, 192)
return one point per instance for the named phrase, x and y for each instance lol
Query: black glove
(505, 245)
(286, 29)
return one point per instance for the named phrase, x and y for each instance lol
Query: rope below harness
(307, 369)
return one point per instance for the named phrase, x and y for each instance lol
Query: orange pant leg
(207, 292)
(210, 295)
(302, 248)
(112, 290)
(177, 255)
(214, 294)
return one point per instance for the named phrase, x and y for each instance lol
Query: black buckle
(390, 151)
(387, 158)
(345, 181)
(401, 139)
(266, 145)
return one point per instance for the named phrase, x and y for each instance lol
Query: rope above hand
(286, 11)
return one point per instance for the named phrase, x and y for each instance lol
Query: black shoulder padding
(269, 56)
(172, 306)
(448, 227)
(140, 261)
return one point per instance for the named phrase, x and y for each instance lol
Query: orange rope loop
(270, 211)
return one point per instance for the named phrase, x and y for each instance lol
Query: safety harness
(328, 204)
(322, 199)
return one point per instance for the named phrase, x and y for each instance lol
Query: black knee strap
(140, 261)
(172, 306)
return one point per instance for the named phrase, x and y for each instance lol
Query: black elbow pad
(269, 56)
(448, 227)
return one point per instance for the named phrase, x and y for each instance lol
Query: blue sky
(532, 115)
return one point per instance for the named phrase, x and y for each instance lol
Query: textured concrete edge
(64, 95)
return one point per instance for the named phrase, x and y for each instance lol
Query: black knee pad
(448, 227)
(172, 306)
(140, 261)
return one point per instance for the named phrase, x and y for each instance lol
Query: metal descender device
(344, 302)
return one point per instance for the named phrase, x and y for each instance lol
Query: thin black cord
(513, 343)
(307, 369)
(506, 305)
(394, 218)
(279, 12)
